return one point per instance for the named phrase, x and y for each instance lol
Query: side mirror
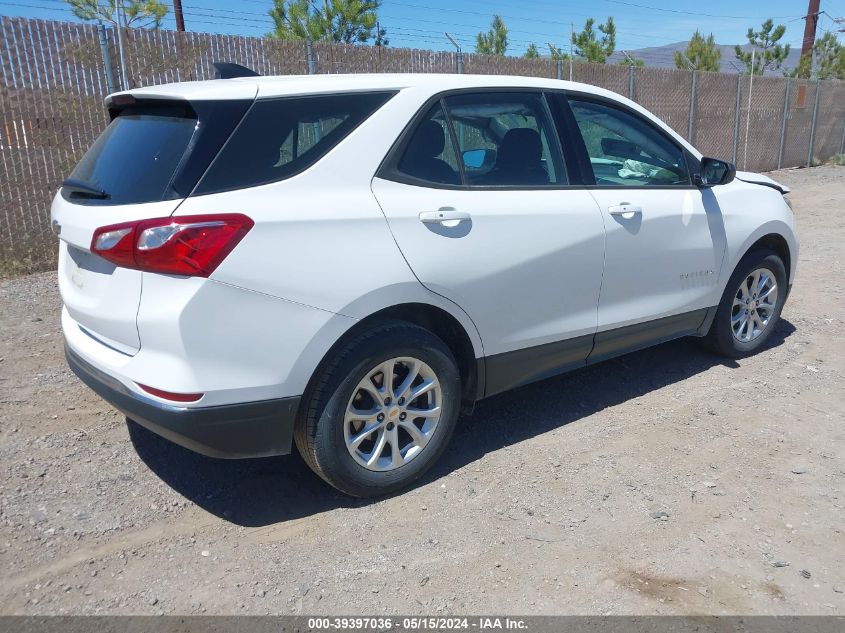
(478, 158)
(715, 172)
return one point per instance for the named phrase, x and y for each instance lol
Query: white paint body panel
(526, 266)
(662, 260)
(334, 245)
(99, 296)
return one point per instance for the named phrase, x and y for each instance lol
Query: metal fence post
(111, 84)
(631, 82)
(459, 61)
(560, 69)
(783, 123)
(813, 126)
(691, 123)
(842, 144)
(309, 53)
(736, 115)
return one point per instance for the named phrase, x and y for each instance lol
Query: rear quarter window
(279, 138)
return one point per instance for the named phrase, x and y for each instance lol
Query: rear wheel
(750, 306)
(382, 411)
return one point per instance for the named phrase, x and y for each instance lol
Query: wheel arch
(777, 243)
(436, 320)
(776, 235)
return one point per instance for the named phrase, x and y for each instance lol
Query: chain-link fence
(54, 76)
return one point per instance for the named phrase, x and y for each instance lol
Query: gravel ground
(666, 481)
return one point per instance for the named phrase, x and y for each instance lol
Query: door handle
(446, 216)
(624, 208)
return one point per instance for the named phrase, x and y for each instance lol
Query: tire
(722, 338)
(327, 427)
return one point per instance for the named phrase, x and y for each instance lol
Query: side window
(506, 139)
(430, 154)
(305, 135)
(279, 138)
(627, 151)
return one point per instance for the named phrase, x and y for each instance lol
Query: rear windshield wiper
(82, 188)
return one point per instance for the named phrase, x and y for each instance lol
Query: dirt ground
(664, 482)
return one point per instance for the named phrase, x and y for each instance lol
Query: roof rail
(227, 70)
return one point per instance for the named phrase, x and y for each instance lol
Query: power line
(397, 26)
(695, 13)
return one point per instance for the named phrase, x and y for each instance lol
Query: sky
(421, 23)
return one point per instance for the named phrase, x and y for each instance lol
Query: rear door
(478, 199)
(138, 168)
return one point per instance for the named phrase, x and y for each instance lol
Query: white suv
(346, 262)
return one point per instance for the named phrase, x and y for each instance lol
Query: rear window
(279, 138)
(135, 158)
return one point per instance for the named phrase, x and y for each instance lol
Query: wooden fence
(53, 80)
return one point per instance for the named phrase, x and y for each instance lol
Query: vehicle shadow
(258, 492)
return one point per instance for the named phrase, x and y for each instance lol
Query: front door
(665, 237)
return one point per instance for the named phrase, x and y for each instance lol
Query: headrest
(429, 139)
(520, 145)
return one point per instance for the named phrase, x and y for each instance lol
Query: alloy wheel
(392, 414)
(754, 305)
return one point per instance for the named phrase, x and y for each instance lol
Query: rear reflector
(191, 245)
(167, 395)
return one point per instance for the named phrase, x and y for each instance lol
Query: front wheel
(382, 411)
(750, 306)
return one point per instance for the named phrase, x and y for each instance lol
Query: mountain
(664, 57)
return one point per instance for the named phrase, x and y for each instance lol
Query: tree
(702, 52)
(588, 45)
(532, 52)
(136, 13)
(346, 21)
(830, 57)
(769, 53)
(830, 60)
(803, 70)
(494, 41)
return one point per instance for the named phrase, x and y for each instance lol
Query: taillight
(192, 245)
(169, 395)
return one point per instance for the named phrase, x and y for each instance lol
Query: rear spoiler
(227, 70)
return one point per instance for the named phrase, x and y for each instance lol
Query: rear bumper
(251, 429)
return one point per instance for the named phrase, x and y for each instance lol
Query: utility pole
(810, 22)
(180, 17)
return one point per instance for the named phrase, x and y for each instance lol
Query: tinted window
(430, 154)
(506, 139)
(135, 158)
(625, 150)
(281, 137)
